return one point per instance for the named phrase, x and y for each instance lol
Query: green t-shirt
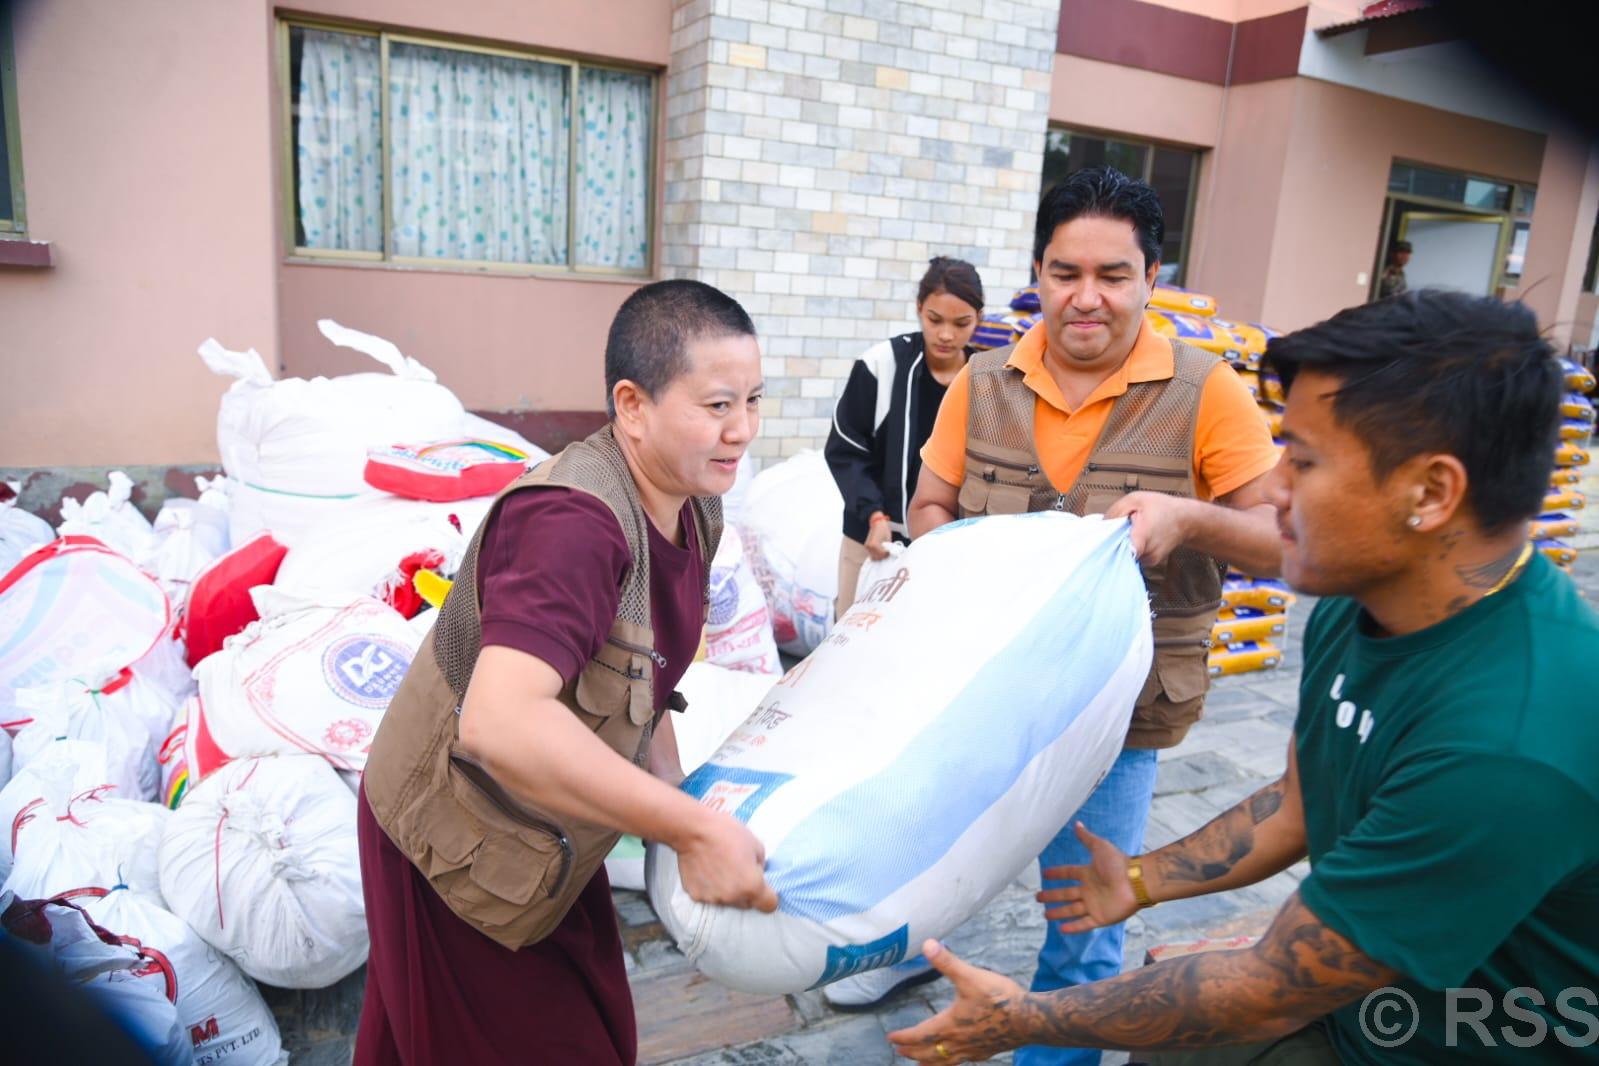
(1451, 792)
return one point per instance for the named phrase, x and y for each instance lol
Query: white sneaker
(867, 990)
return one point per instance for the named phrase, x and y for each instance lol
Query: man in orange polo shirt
(1094, 412)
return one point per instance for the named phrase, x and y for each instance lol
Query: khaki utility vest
(508, 870)
(1147, 443)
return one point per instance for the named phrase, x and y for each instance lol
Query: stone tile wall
(819, 152)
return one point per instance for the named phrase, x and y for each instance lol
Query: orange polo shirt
(1232, 443)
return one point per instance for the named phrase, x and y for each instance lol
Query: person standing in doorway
(1393, 282)
(1093, 412)
(886, 413)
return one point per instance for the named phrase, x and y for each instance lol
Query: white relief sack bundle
(791, 521)
(312, 675)
(261, 859)
(738, 624)
(961, 711)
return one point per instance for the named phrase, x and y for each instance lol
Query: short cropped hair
(1102, 192)
(650, 335)
(1432, 371)
(954, 276)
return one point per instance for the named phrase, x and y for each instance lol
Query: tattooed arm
(1299, 971)
(1261, 836)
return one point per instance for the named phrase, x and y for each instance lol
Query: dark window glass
(1591, 281)
(6, 211)
(1170, 171)
(1172, 175)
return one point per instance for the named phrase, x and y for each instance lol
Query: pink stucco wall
(151, 148)
(501, 341)
(148, 169)
(1300, 177)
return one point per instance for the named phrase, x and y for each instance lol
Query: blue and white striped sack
(899, 777)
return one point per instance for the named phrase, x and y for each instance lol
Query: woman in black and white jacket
(886, 414)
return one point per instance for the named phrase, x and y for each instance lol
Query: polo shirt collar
(1150, 360)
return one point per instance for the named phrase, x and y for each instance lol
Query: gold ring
(943, 1052)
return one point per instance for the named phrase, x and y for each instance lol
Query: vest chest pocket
(615, 680)
(980, 497)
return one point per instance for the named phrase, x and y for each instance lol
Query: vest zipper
(1118, 468)
(1030, 470)
(638, 649)
(479, 779)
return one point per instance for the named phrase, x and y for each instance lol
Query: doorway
(1460, 227)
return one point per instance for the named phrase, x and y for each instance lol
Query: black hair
(954, 276)
(1102, 192)
(650, 335)
(1438, 371)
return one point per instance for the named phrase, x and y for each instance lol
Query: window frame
(1151, 146)
(300, 254)
(15, 227)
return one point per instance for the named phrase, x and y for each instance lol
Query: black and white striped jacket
(874, 447)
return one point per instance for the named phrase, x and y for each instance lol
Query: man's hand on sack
(1158, 523)
(978, 1025)
(721, 862)
(1102, 895)
(878, 536)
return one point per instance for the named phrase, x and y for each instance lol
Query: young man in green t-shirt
(1443, 776)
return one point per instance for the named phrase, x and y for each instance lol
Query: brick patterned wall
(819, 152)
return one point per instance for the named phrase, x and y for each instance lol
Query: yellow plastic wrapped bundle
(1547, 526)
(1260, 593)
(1250, 338)
(1197, 331)
(1235, 626)
(1566, 500)
(1557, 551)
(1564, 476)
(1171, 298)
(1569, 454)
(1575, 429)
(1578, 378)
(1244, 658)
(1576, 405)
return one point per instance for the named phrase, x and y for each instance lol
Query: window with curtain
(492, 157)
(12, 218)
(1172, 172)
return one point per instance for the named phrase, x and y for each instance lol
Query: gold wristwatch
(1135, 874)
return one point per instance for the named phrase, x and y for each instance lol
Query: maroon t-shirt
(550, 569)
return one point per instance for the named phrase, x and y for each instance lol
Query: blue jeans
(1117, 811)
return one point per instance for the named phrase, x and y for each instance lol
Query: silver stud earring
(1413, 521)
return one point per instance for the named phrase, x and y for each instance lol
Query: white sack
(358, 552)
(261, 860)
(719, 700)
(312, 675)
(738, 626)
(67, 710)
(792, 517)
(123, 981)
(906, 771)
(185, 538)
(70, 607)
(71, 831)
(20, 531)
(219, 1009)
(110, 518)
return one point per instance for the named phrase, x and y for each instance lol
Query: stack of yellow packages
(1557, 521)
(1251, 630)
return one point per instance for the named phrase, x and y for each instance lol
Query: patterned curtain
(615, 112)
(338, 142)
(481, 147)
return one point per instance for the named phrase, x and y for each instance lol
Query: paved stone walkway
(687, 1020)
